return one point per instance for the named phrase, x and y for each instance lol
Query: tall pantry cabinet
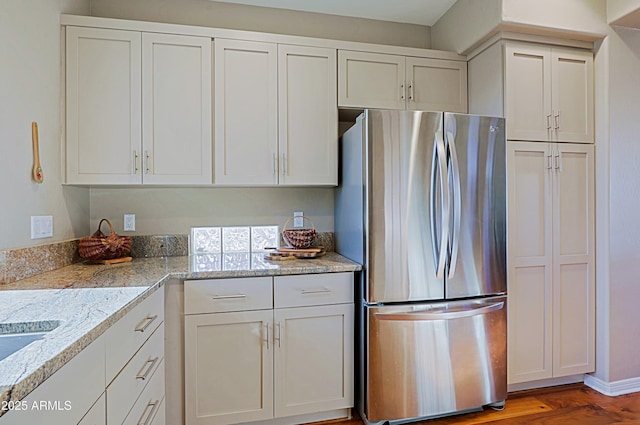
(546, 94)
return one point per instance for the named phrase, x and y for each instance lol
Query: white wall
(621, 11)
(30, 88)
(175, 211)
(466, 24)
(570, 16)
(253, 18)
(622, 158)
(469, 22)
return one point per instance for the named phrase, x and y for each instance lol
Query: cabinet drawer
(128, 334)
(313, 289)
(128, 385)
(149, 406)
(223, 295)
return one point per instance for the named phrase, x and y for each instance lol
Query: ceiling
(421, 12)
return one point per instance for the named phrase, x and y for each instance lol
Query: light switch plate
(129, 222)
(41, 226)
(298, 221)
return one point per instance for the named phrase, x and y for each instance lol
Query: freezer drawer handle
(459, 314)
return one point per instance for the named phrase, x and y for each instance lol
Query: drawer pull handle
(148, 365)
(315, 291)
(226, 297)
(151, 409)
(279, 337)
(146, 322)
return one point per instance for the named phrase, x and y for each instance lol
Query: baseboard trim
(615, 388)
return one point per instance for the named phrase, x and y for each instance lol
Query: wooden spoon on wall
(38, 176)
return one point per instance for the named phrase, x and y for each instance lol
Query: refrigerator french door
(422, 205)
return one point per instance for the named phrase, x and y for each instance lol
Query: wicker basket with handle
(299, 238)
(101, 247)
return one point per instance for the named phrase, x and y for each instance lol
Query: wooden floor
(563, 405)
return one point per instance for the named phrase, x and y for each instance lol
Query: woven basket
(101, 247)
(299, 238)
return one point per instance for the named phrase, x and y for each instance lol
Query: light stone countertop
(87, 299)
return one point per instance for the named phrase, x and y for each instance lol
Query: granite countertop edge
(132, 282)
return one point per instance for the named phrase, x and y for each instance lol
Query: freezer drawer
(430, 359)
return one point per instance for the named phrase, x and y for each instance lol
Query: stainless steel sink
(16, 336)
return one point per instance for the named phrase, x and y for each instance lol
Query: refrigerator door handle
(439, 169)
(441, 314)
(456, 200)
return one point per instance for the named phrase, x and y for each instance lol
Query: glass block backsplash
(214, 240)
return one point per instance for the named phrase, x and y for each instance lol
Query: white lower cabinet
(67, 395)
(228, 367)
(293, 358)
(313, 348)
(127, 359)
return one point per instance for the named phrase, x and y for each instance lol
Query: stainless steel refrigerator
(422, 205)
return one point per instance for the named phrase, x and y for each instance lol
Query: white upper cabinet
(308, 115)
(103, 106)
(138, 108)
(275, 114)
(246, 112)
(372, 80)
(436, 85)
(176, 108)
(548, 93)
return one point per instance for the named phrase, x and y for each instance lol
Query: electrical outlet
(129, 222)
(298, 221)
(41, 226)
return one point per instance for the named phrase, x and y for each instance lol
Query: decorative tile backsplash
(206, 240)
(238, 239)
(263, 237)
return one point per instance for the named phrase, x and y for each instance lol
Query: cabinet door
(529, 259)
(371, 80)
(572, 95)
(573, 261)
(314, 359)
(246, 112)
(528, 92)
(103, 106)
(436, 85)
(308, 116)
(176, 109)
(228, 367)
